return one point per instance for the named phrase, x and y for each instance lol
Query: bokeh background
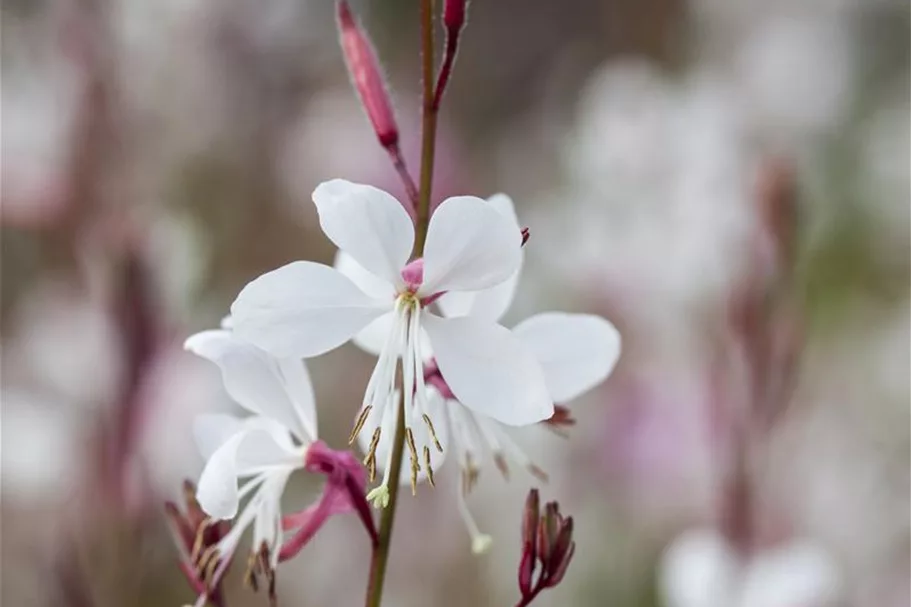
(158, 155)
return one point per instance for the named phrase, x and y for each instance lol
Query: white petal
(300, 390)
(503, 203)
(247, 452)
(277, 388)
(368, 224)
(576, 351)
(302, 309)
(217, 488)
(470, 246)
(372, 337)
(489, 370)
(489, 304)
(371, 284)
(212, 430)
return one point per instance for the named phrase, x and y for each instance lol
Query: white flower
(261, 450)
(574, 352)
(701, 569)
(305, 309)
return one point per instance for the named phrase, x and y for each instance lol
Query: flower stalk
(380, 557)
(428, 127)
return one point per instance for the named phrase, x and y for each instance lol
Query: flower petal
(489, 370)
(576, 351)
(371, 284)
(470, 246)
(212, 430)
(217, 489)
(277, 388)
(490, 304)
(302, 309)
(257, 447)
(368, 224)
(372, 338)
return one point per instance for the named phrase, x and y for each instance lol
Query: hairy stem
(380, 557)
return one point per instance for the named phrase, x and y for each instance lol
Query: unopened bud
(560, 567)
(365, 74)
(546, 539)
(454, 14)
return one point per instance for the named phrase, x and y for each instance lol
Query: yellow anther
(200, 536)
(415, 463)
(359, 424)
(428, 466)
(433, 433)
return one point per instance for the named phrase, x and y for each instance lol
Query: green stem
(381, 551)
(428, 128)
(380, 557)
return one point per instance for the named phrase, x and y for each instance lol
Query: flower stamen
(428, 466)
(370, 459)
(415, 462)
(433, 433)
(359, 423)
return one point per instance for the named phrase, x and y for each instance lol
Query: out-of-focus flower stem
(380, 556)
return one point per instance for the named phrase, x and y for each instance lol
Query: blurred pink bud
(364, 69)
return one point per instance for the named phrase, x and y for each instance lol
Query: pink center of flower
(413, 275)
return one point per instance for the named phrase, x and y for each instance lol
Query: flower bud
(365, 74)
(454, 14)
(547, 539)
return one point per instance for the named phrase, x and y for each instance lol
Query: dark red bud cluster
(197, 535)
(547, 547)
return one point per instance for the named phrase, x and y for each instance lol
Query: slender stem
(380, 557)
(395, 154)
(452, 45)
(428, 127)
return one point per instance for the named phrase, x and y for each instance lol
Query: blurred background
(726, 180)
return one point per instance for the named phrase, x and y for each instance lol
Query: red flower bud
(365, 74)
(454, 14)
(546, 538)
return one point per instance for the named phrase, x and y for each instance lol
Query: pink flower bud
(365, 74)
